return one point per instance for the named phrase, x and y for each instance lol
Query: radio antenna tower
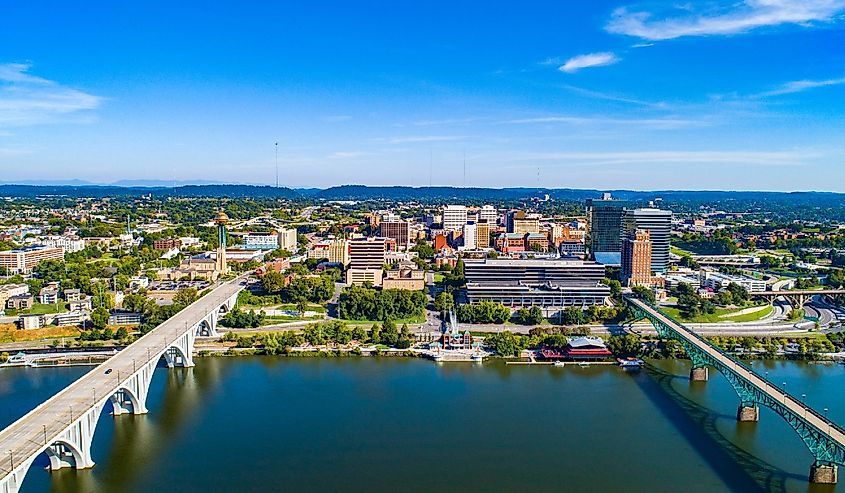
(277, 165)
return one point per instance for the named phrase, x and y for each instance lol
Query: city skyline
(610, 95)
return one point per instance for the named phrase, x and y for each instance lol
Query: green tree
(273, 282)
(504, 343)
(359, 334)
(644, 293)
(624, 345)
(100, 318)
(444, 302)
(572, 315)
(185, 296)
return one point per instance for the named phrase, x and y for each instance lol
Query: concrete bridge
(824, 438)
(63, 426)
(796, 297)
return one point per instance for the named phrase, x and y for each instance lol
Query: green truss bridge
(824, 438)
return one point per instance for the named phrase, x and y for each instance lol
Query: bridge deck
(27, 435)
(821, 423)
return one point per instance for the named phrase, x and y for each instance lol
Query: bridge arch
(204, 328)
(175, 355)
(63, 453)
(124, 401)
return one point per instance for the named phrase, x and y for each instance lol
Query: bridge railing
(749, 369)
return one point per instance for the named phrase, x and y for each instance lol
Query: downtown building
(454, 217)
(636, 259)
(604, 217)
(658, 223)
(550, 284)
(397, 230)
(22, 260)
(366, 261)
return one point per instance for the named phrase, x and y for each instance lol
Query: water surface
(381, 424)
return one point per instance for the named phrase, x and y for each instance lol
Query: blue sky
(616, 94)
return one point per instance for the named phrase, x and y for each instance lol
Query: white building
(68, 245)
(261, 241)
(288, 240)
(469, 236)
(454, 217)
(488, 213)
(717, 281)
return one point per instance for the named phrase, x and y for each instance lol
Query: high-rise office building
(482, 234)
(521, 223)
(397, 230)
(488, 213)
(658, 223)
(469, 236)
(288, 239)
(366, 260)
(636, 258)
(454, 217)
(604, 218)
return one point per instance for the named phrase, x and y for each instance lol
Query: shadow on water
(739, 469)
(135, 441)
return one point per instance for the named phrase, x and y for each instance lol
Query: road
(30, 434)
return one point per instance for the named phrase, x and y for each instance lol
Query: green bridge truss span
(824, 448)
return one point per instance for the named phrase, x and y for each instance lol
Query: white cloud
(575, 64)
(755, 158)
(732, 18)
(664, 123)
(26, 99)
(800, 86)
(425, 138)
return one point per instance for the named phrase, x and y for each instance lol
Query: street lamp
(828, 421)
(804, 403)
(784, 393)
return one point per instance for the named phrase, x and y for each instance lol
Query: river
(394, 424)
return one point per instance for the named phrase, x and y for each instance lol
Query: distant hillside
(428, 194)
(137, 191)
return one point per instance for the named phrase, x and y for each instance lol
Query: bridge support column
(748, 413)
(824, 473)
(699, 374)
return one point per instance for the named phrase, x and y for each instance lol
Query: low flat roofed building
(22, 260)
(48, 296)
(20, 302)
(68, 319)
(717, 281)
(72, 294)
(360, 276)
(261, 241)
(404, 276)
(167, 244)
(9, 290)
(550, 284)
(67, 244)
(120, 317)
(84, 304)
(28, 322)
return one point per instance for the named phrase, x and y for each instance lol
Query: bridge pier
(748, 413)
(699, 374)
(824, 473)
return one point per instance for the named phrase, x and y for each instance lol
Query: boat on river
(630, 363)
